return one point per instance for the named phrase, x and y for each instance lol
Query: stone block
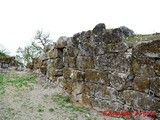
(140, 100)
(66, 72)
(96, 76)
(56, 53)
(103, 48)
(85, 49)
(144, 68)
(77, 75)
(70, 51)
(157, 68)
(84, 62)
(57, 63)
(61, 42)
(112, 61)
(147, 49)
(69, 62)
(155, 86)
(119, 80)
(77, 91)
(141, 84)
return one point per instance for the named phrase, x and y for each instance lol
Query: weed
(65, 102)
(2, 84)
(51, 110)
(40, 110)
(138, 38)
(19, 81)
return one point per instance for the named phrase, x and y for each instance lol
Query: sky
(20, 19)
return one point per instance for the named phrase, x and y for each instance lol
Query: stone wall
(6, 62)
(98, 70)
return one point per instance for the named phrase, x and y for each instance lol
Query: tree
(41, 40)
(35, 49)
(3, 51)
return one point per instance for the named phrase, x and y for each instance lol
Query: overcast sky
(19, 19)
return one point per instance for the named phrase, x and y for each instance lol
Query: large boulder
(147, 49)
(123, 32)
(62, 42)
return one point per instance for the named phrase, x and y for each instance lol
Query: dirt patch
(36, 102)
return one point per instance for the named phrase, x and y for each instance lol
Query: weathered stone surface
(118, 80)
(140, 100)
(60, 81)
(56, 53)
(123, 32)
(147, 49)
(141, 84)
(101, 91)
(96, 76)
(157, 68)
(103, 48)
(155, 87)
(111, 37)
(69, 62)
(66, 72)
(43, 68)
(61, 42)
(77, 75)
(97, 69)
(30, 66)
(70, 51)
(77, 91)
(146, 75)
(99, 28)
(86, 99)
(74, 40)
(8, 61)
(68, 86)
(84, 62)
(111, 93)
(112, 61)
(57, 63)
(37, 63)
(85, 49)
(144, 68)
(57, 72)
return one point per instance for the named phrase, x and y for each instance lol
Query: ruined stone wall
(6, 62)
(99, 70)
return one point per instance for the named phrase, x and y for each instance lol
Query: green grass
(16, 80)
(138, 38)
(3, 54)
(40, 110)
(66, 103)
(51, 110)
(2, 84)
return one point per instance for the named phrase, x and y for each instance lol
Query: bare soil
(35, 103)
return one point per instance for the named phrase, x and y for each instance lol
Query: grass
(3, 54)
(51, 110)
(40, 110)
(138, 38)
(66, 103)
(16, 80)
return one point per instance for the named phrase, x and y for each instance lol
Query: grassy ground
(26, 97)
(16, 80)
(65, 103)
(23, 96)
(138, 38)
